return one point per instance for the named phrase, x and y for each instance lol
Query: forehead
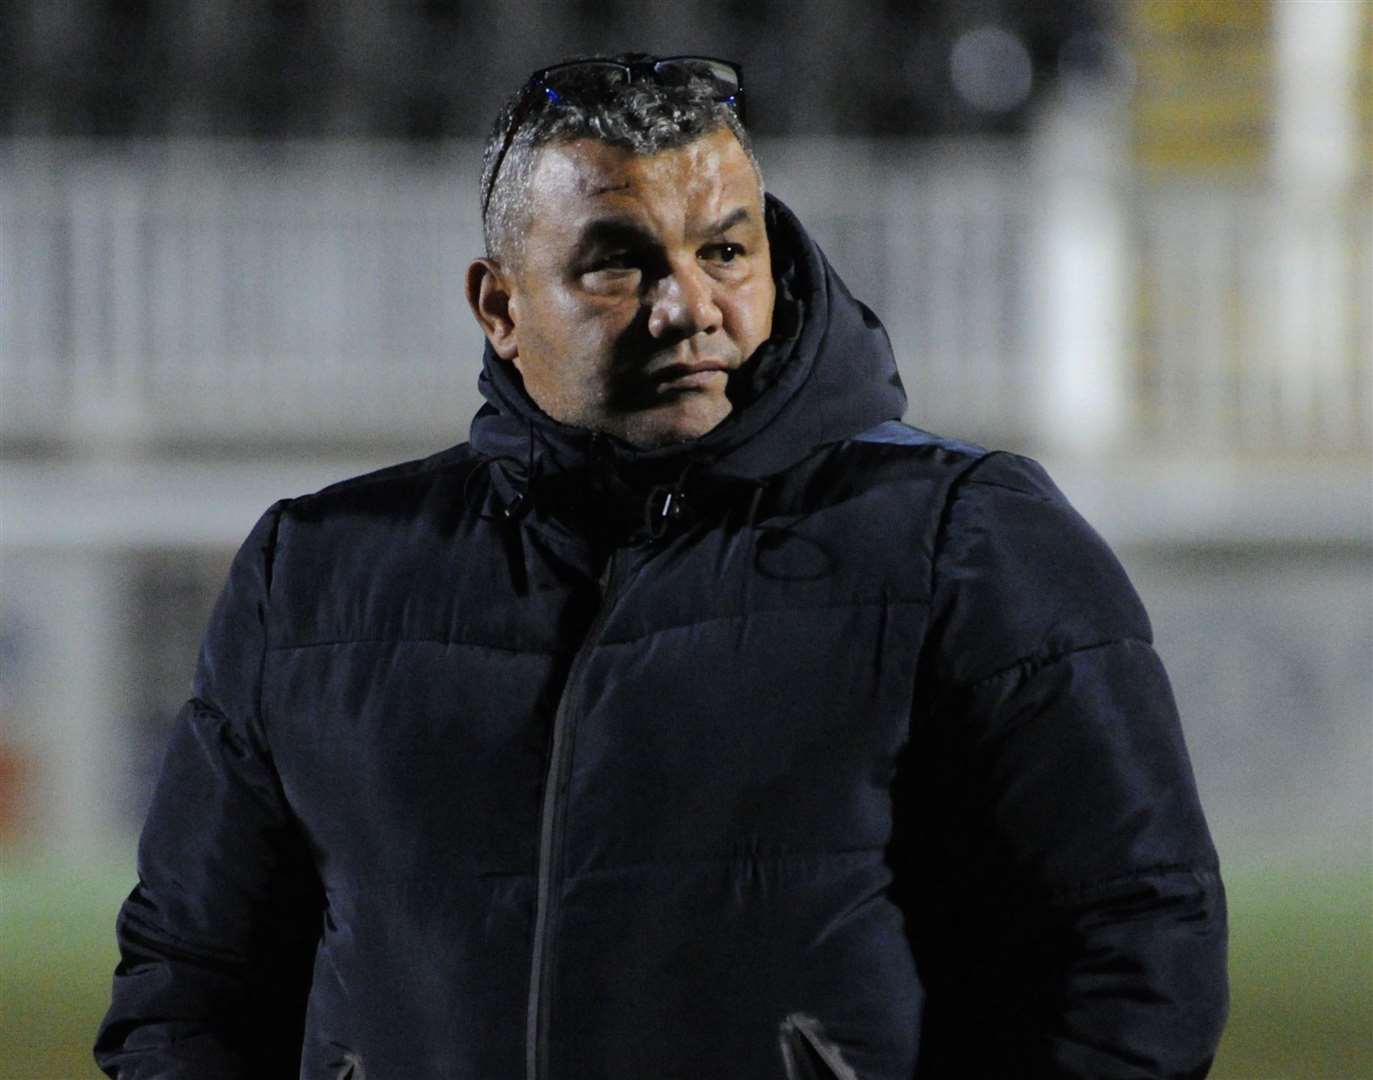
(700, 181)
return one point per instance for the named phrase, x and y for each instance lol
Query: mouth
(702, 374)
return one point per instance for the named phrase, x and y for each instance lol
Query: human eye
(612, 260)
(611, 264)
(724, 253)
(611, 271)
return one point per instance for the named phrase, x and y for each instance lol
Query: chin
(686, 418)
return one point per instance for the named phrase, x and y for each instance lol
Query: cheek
(752, 315)
(546, 327)
(570, 343)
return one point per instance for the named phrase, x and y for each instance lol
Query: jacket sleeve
(1064, 899)
(217, 939)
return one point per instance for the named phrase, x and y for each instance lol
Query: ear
(489, 295)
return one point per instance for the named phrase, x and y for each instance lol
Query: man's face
(645, 280)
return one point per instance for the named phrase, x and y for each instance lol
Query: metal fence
(250, 293)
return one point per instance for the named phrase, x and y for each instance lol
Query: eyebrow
(623, 229)
(739, 216)
(610, 231)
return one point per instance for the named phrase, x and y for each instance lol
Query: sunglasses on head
(723, 76)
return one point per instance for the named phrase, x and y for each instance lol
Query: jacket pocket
(808, 1054)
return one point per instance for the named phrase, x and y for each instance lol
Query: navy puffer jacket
(817, 747)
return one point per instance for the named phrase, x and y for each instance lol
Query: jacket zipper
(550, 842)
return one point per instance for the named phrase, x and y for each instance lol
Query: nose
(683, 304)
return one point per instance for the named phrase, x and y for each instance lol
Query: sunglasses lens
(585, 74)
(681, 70)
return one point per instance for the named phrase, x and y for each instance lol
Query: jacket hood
(826, 373)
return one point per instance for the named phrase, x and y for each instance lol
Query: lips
(700, 371)
(693, 378)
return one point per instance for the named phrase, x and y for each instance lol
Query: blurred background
(1131, 238)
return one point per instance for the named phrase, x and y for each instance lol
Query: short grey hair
(644, 117)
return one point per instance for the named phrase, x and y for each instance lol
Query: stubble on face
(645, 281)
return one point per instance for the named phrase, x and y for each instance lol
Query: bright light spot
(990, 69)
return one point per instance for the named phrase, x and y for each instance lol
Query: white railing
(228, 292)
(1256, 317)
(313, 292)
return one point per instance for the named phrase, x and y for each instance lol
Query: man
(696, 719)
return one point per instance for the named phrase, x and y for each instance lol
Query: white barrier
(312, 293)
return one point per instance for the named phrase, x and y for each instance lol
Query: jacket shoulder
(899, 433)
(973, 466)
(1020, 576)
(411, 495)
(896, 453)
(406, 479)
(357, 545)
